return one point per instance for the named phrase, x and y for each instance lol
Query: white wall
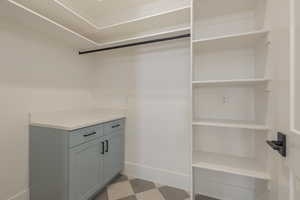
(152, 81)
(36, 74)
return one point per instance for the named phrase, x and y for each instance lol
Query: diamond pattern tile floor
(124, 188)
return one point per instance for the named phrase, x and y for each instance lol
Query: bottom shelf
(229, 164)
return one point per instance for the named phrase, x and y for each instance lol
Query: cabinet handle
(115, 126)
(106, 145)
(103, 148)
(90, 134)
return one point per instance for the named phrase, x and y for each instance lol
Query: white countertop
(75, 119)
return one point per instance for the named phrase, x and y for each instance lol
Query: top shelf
(106, 14)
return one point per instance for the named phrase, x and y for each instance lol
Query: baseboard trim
(22, 195)
(161, 176)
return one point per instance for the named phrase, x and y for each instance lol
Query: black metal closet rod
(136, 44)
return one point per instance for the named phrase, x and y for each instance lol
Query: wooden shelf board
(231, 124)
(230, 82)
(229, 164)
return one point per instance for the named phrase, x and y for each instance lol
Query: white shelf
(229, 164)
(247, 82)
(231, 124)
(232, 40)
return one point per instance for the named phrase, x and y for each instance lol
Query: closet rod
(136, 44)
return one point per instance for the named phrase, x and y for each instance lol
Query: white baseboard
(22, 195)
(157, 175)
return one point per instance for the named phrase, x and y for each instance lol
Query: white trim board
(292, 69)
(22, 195)
(158, 175)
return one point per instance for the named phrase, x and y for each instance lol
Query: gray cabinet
(74, 165)
(114, 154)
(86, 170)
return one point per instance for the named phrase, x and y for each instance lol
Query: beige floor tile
(150, 195)
(158, 185)
(130, 177)
(119, 190)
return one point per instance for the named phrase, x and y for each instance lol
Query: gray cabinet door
(114, 155)
(86, 170)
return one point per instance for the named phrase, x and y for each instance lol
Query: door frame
(293, 129)
(292, 67)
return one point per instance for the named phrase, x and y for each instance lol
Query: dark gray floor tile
(202, 197)
(129, 198)
(139, 185)
(170, 193)
(102, 195)
(119, 178)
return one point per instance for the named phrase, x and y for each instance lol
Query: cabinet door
(114, 156)
(86, 170)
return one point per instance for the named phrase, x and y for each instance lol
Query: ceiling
(102, 21)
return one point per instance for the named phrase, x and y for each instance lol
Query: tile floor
(124, 188)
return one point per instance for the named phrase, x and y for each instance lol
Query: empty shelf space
(230, 82)
(231, 124)
(229, 17)
(232, 40)
(229, 164)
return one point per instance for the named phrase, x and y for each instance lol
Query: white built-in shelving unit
(109, 23)
(230, 85)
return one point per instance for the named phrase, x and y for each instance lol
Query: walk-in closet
(149, 100)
